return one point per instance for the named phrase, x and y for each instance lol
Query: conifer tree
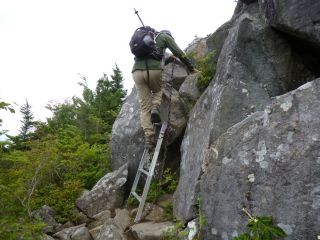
(117, 82)
(27, 121)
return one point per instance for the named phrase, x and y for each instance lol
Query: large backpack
(142, 43)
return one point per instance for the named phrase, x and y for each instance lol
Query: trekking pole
(136, 12)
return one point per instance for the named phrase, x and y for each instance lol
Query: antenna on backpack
(136, 12)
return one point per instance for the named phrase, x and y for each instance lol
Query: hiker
(147, 72)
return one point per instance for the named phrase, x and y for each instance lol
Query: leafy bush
(67, 153)
(168, 211)
(207, 68)
(261, 228)
(61, 198)
(178, 232)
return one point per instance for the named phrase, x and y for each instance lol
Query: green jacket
(163, 41)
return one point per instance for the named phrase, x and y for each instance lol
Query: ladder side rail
(149, 178)
(138, 174)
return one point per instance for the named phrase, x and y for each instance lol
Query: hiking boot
(155, 115)
(150, 144)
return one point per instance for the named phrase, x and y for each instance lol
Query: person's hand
(173, 58)
(194, 71)
(170, 59)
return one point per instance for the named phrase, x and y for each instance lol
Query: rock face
(255, 64)
(299, 18)
(270, 164)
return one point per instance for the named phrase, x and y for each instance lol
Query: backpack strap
(147, 66)
(163, 51)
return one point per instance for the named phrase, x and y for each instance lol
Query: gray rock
(151, 230)
(127, 139)
(193, 229)
(197, 48)
(254, 65)
(215, 41)
(268, 163)
(99, 219)
(114, 228)
(66, 233)
(47, 237)
(108, 193)
(95, 231)
(82, 233)
(177, 76)
(178, 115)
(298, 18)
(67, 224)
(189, 93)
(156, 214)
(122, 218)
(111, 231)
(80, 217)
(46, 214)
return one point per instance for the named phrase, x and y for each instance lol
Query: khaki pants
(150, 94)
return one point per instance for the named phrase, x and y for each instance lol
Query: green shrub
(207, 68)
(132, 202)
(171, 181)
(61, 198)
(261, 228)
(168, 211)
(178, 232)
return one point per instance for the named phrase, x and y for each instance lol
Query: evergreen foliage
(4, 106)
(64, 155)
(27, 121)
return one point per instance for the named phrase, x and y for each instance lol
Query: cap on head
(166, 32)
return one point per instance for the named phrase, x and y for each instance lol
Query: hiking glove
(188, 63)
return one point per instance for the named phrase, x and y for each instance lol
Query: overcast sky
(46, 44)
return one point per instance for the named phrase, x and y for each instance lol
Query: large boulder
(298, 18)
(127, 139)
(269, 164)
(108, 193)
(47, 215)
(255, 64)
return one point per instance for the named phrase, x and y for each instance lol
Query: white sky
(46, 44)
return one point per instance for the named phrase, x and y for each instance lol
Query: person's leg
(155, 86)
(145, 101)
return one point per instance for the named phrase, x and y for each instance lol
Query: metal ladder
(148, 173)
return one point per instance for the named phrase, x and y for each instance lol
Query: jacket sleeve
(174, 48)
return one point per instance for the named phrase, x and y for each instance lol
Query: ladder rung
(136, 196)
(144, 171)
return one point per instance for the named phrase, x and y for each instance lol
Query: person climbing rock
(149, 48)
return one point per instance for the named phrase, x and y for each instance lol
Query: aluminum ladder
(149, 173)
